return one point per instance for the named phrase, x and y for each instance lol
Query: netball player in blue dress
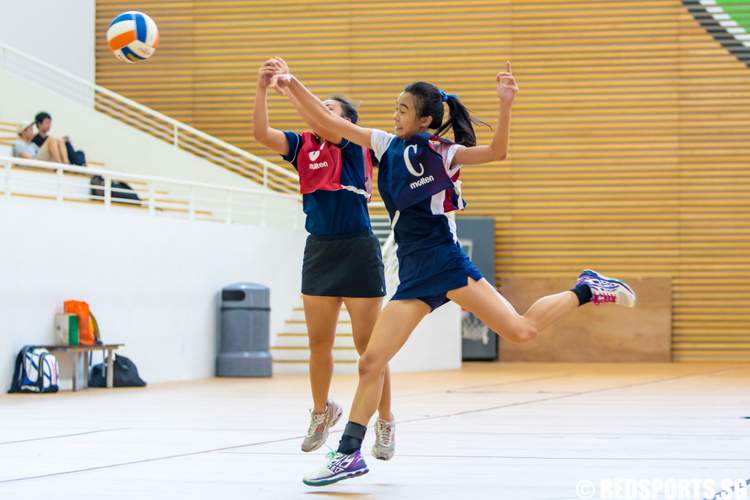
(342, 261)
(418, 181)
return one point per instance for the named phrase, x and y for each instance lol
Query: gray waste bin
(245, 314)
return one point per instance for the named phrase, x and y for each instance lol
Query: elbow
(500, 155)
(497, 152)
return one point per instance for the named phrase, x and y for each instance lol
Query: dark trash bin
(245, 330)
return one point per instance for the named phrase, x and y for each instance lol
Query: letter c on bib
(409, 165)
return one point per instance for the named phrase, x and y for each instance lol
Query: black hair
(41, 116)
(350, 110)
(429, 101)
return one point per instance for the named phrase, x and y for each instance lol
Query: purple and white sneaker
(340, 466)
(606, 290)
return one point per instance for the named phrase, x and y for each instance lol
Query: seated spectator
(43, 122)
(52, 149)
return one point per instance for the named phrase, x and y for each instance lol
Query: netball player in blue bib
(418, 181)
(342, 261)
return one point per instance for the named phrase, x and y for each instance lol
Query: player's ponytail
(430, 101)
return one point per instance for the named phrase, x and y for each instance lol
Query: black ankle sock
(352, 438)
(583, 292)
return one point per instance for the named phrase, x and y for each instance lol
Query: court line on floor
(563, 396)
(512, 382)
(497, 384)
(145, 460)
(420, 419)
(61, 436)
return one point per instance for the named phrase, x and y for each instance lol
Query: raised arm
(309, 118)
(498, 148)
(262, 131)
(282, 68)
(317, 115)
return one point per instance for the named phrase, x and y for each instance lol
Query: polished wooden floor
(501, 431)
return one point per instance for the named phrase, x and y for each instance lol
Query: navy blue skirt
(430, 274)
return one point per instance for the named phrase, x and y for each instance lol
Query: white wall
(151, 281)
(435, 343)
(60, 32)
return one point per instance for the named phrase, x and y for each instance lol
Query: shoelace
(316, 420)
(386, 432)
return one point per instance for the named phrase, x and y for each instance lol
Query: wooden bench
(80, 361)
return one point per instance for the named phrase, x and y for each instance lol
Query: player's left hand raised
(507, 87)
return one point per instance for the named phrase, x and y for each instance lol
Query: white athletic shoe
(338, 468)
(385, 440)
(320, 423)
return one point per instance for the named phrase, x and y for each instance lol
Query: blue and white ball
(133, 36)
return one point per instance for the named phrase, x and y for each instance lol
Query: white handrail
(48, 165)
(283, 180)
(154, 194)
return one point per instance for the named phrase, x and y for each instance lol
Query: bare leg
(321, 317)
(496, 312)
(58, 150)
(54, 151)
(364, 313)
(392, 330)
(63, 151)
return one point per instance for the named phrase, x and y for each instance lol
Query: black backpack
(75, 157)
(125, 374)
(125, 192)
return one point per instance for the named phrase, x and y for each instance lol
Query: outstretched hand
(507, 87)
(280, 82)
(265, 73)
(280, 71)
(269, 70)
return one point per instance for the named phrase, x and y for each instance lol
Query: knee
(320, 343)
(370, 366)
(523, 331)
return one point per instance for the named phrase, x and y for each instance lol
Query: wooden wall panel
(629, 142)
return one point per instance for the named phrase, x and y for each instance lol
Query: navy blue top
(425, 224)
(335, 212)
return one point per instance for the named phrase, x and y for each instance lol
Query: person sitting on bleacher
(52, 149)
(43, 122)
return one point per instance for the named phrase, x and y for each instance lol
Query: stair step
(303, 354)
(302, 341)
(301, 308)
(291, 352)
(305, 348)
(301, 328)
(303, 322)
(304, 335)
(303, 367)
(299, 315)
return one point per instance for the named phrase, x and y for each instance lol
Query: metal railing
(152, 122)
(151, 195)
